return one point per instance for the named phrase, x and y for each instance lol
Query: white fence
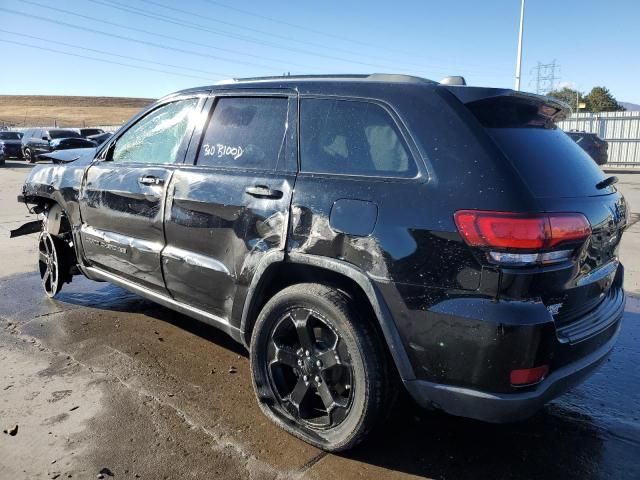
(620, 129)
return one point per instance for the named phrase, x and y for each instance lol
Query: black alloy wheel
(319, 369)
(310, 369)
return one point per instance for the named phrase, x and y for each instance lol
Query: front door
(229, 210)
(123, 194)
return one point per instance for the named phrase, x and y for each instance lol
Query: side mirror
(46, 138)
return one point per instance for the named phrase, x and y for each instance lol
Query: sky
(149, 48)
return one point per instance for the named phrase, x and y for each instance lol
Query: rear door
(229, 210)
(123, 194)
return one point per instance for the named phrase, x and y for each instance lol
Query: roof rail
(374, 77)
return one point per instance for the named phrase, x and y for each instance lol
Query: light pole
(519, 61)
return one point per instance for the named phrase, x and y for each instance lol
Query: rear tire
(319, 370)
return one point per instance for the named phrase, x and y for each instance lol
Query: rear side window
(352, 138)
(551, 163)
(246, 132)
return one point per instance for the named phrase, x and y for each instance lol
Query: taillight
(508, 232)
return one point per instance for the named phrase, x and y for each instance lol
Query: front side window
(245, 132)
(156, 138)
(351, 138)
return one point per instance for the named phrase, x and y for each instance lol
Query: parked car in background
(101, 137)
(88, 132)
(499, 290)
(11, 143)
(591, 143)
(2, 155)
(41, 140)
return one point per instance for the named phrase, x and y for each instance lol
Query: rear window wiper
(607, 182)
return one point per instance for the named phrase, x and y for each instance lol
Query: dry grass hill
(67, 111)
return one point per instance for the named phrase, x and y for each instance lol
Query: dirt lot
(102, 380)
(67, 111)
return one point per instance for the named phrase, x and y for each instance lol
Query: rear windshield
(547, 159)
(64, 134)
(550, 162)
(91, 131)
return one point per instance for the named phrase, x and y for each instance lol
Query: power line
(288, 38)
(103, 52)
(39, 47)
(147, 32)
(130, 39)
(148, 43)
(243, 27)
(189, 24)
(195, 26)
(308, 29)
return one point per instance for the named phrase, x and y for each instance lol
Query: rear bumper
(509, 407)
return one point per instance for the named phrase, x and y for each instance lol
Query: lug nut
(306, 353)
(305, 378)
(318, 379)
(299, 363)
(319, 363)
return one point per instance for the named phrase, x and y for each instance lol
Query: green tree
(568, 96)
(600, 99)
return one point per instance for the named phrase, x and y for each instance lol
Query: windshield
(64, 134)
(9, 136)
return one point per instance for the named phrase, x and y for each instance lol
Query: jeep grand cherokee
(357, 234)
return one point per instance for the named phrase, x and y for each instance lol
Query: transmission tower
(546, 77)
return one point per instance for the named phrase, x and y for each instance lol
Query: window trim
(289, 156)
(413, 152)
(104, 151)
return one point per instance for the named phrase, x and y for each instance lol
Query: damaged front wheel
(51, 263)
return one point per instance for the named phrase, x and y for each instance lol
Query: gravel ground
(99, 380)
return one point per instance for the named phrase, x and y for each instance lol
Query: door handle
(151, 180)
(262, 191)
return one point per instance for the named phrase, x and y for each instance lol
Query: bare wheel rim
(310, 370)
(48, 264)
(27, 155)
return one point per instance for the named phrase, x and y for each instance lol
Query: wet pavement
(156, 398)
(101, 379)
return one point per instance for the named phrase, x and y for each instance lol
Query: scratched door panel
(229, 210)
(122, 220)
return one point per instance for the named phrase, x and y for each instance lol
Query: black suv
(36, 141)
(357, 234)
(591, 143)
(11, 144)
